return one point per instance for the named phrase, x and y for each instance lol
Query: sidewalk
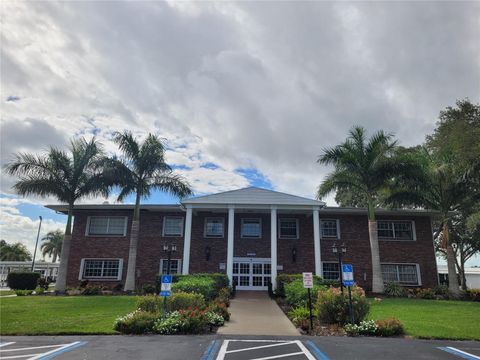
(254, 313)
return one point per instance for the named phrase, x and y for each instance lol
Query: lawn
(41, 315)
(438, 319)
(6, 292)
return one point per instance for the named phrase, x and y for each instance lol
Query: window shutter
(80, 274)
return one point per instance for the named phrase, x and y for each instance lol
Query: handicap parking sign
(347, 274)
(166, 288)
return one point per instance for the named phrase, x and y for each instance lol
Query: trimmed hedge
(220, 279)
(296, 295)
(199, 285)
(283, 279)
(22, 280)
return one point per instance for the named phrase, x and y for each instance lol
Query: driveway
(220, 347)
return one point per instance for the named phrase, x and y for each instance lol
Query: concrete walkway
(254, 313)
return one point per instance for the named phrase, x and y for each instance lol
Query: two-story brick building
(252, 235)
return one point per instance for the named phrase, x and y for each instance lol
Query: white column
(316, 242)
(273, 245)
(187, 238)
(231, 227)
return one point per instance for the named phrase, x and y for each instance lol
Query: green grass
(42, 315)
(6, 292)
(436, 319)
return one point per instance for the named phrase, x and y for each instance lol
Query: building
(472, 276)
(45, 269)
(252, 234)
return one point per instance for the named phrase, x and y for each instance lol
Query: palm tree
(14, 252)
(442, 187)
(52, 244)
(141, 170)
(66, 176)
(364, 167)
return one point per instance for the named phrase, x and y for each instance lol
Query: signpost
(308, 284)
(347, 275)
(166, 289)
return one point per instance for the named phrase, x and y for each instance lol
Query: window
(175, 266)
(396, 230)
(107, 225)
(172, 226)
(330, 271)
(214, 227)
(288, 228)
(101, 269)
(405, 274)
(251, 228)
(329, 228)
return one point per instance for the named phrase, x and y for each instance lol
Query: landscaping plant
(368, 327)
(150, 303)
(389, 327)
(200, 285)
(394, 289)
(220, 309)
(182, 322)
(136, 322)
(182, 300)
(333, 307)
(296, 295)
(23, 292)
(24, 280)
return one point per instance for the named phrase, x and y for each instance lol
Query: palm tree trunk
(61, 282)
(452, 273)
(132, 253)
(54, 260)
(377, 279)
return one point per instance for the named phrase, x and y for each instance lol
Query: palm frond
(172, 184)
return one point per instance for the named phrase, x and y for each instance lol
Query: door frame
(251, 261)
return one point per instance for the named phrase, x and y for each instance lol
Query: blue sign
(166, 289)
(347, 274)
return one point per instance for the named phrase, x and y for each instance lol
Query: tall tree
(68, 176)
(52, 244)
(141, 170)
(14, 252)
(365, 167)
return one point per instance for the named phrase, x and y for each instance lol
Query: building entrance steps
(254, 313)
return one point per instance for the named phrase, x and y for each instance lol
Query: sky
(245, 93)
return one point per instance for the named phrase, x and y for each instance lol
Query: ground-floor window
(405, 274)
(101, 269)
(331, 271)
(175, 266)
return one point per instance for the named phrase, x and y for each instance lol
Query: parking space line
(7, 343)
(259, 347)
(279, 356)
(211, 350)
(460, 353)
(316, 350)
(30, 348)
(20, 356)
(52, 353)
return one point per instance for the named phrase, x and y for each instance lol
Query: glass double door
(251, 273)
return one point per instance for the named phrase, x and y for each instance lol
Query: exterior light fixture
(294, 255)
(340, 250)
(207, 253)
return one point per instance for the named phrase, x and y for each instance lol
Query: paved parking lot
(216, 347)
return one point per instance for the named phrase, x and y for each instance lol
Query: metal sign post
(347, 274)
(308, 284)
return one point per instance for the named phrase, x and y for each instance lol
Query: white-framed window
(288, 228)
(251, 228)
(330, 271)
(172, 226)
(175, 266)
(330, 228)
(396, 230)
(214, 227)
(101, 269)
(405, 274)
(106, 226)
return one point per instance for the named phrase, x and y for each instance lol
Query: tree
(14, 252)
(52, 244)
(141, 170)
(364, 167)
(66, 176)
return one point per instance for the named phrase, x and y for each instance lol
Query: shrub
(472, 294)
(300, 317)
(214, 319)
(284, 279)
(148, 289)
(296, 295)
(92, 290)
(389, 327)
(182, 322)
(151, 304)
(425, 294)
(182, 300)
(43, 283)
(220, 280)
(23, 292)
(137, 322)
(368, 327)
(333, 307)
(220, 309)
(200, 285)
(39, 290)
(22, 280)
(394, 289)
(224, 296)
(83, 284)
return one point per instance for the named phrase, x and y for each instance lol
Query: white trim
(80, 274)
(87, 230)
(419, 275)
(187, 239)
(173, 217)
(417, 267)
(317, 249)
(251, 237)
(414, 231)
(179, 267)
(120, 269)
(273, 246)
(338, 229)
(119, 275)
(205, 227)
(412, 222)
(230, 241)
(280, 219)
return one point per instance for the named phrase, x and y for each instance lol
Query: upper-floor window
(251, 228)
(396, 230)
(406, 274)
(101, 269)
(107, 225)
(288, 228)
(329, 228)
(214, 227)
(172, 226)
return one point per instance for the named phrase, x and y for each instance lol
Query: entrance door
(251, 273)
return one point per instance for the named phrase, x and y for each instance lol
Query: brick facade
(353, 230)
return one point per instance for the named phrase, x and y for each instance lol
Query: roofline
(352, 210)
(63, 208)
